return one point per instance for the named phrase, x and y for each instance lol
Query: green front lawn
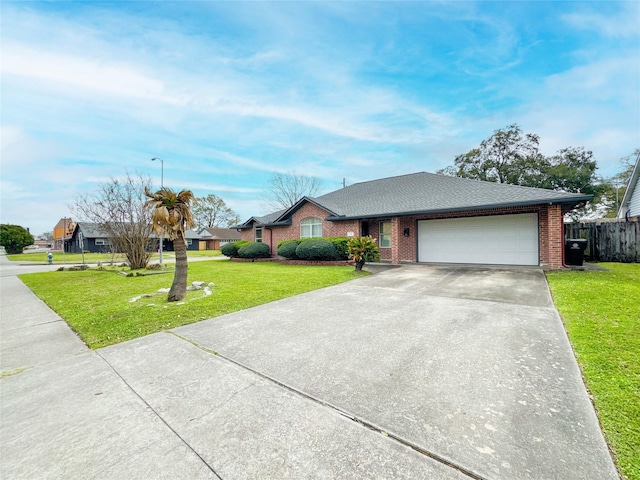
(601, 312)
(59, 258)
(98, 304)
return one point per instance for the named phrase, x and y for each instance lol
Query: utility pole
(161, 186)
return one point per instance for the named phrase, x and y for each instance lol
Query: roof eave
(566, 204)
(284, 223)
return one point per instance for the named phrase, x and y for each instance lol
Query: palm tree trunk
(178, 289)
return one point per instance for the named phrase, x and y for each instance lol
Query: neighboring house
(88, 237)
(91, 238)
(213, 238)
(62, 232)
(424, 217)
(192, 238)
(630, 206)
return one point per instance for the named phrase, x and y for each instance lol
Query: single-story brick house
(213, 238)
(89, 237)
(425, 217)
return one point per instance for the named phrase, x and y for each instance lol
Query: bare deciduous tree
(117, 208)
(211, 211)
(286, 189)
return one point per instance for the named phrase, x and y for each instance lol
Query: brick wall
(273, 235)
(551, 232)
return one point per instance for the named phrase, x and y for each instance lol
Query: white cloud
(623, 23)
(82, 72)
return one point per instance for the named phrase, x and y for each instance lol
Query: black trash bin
(574, 251)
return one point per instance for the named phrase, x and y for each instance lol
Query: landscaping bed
(285, 261)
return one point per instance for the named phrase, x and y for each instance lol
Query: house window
(258, 234)
(310, 227)
(385, 234)
(102, 241)
(189, 242)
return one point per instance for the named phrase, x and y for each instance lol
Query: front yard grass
(60, 259)
(601, 312)
(98, 304)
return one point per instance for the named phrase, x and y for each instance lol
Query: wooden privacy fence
(608, 241)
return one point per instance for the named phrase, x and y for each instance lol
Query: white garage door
(499, 239)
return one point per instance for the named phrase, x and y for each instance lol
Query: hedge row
(246, 249)
(330, 248)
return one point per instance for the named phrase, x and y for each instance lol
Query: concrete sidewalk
(417, 372)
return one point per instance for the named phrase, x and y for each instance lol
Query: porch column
(395, 240)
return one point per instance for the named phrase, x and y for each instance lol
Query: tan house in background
(62, 232)
(213, 238)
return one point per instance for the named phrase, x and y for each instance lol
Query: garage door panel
(501, 240)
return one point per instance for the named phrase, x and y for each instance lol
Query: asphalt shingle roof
(93, 230)
(428, 193)
(222, 233)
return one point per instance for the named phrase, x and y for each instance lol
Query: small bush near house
(339, 242)
(341, 246)
(317, 250)
(254, 250)
(231, 249)
(287, 249)
(362, 249)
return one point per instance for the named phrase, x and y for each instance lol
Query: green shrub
(14, 238)
(317, 250)
(287, 249)
(229, 250)
(362, 249)
(341, 246)
(254, 250)
(339, 242)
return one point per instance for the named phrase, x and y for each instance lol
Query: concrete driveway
(415, 372)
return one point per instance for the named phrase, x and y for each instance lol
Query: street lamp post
(161, 186)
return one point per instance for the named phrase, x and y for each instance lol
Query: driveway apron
(470, 366)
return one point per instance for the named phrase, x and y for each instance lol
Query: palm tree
(171, 217)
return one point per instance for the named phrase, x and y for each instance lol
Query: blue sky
(229, 93)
